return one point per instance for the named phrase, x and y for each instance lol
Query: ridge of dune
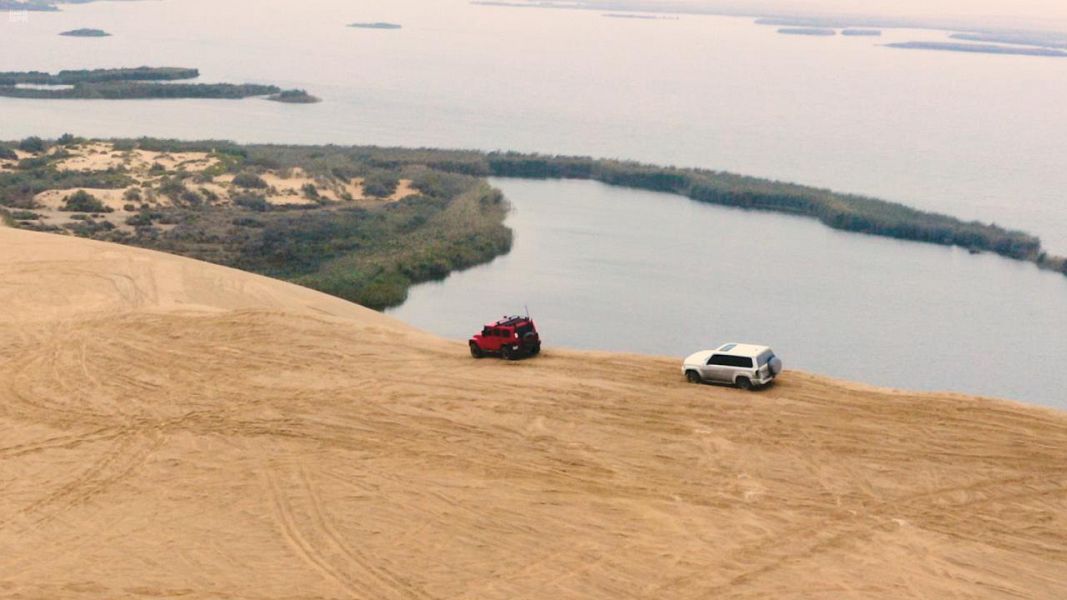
(174, 428)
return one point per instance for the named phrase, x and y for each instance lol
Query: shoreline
(845, 212)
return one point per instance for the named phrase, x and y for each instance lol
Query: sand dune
(171, 428)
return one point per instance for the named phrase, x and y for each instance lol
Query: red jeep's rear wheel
(476, 351)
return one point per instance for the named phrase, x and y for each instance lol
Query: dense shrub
(33, 144)
(140, 220)
(252, 202)
(7, 153)
(190, 198)
(89, 227)
(209, 195)
(380, 185)
(82, 201)
(250, 181)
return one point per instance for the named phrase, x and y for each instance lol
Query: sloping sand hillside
(174, 429)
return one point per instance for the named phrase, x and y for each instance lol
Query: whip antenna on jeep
(527, 307)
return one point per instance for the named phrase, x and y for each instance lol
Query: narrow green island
(366, 223)
(376, 26)
(979, 48)
(31, 5)
(861, 32)
(37, 5)
(134, 83)
(1022, 38)
(814, 31)
(86, 33)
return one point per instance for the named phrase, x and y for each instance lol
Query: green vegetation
(814, 31)
(134, 83)
(139, 90)
(839, 211)
(98, 76)
(294, 97)
(979, 48)
(82, 201)
(861, 32)
(32, 144)
(371, 251)
(380, 184)
(250, 180)
(34, 5)
(1023, 38)
(89, 33)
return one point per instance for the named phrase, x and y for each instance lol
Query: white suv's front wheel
(693, 377)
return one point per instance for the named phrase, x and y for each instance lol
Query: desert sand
(285, 188)
(170, 428)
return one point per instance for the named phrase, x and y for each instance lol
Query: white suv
(743, 365)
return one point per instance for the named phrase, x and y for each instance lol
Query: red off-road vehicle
(510, 337)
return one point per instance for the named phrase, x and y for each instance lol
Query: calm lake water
(616, 269)
(976, 136)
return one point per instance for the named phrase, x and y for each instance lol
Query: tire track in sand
(385, 578)
(65, 442)
(322, 546)
(121, 459)
(290, 530)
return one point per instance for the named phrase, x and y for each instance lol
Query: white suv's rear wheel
(744, 383)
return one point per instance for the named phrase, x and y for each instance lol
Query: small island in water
(134, 83)
(86, 33)
(294, 97)
(815, 31)
(1047, 39)
(862, 32)
(978, 48)
(375, 26)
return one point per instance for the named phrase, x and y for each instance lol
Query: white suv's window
(726, 360)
